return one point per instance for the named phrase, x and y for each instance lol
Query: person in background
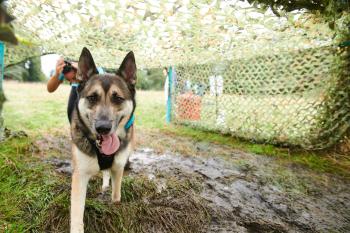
(58, 77)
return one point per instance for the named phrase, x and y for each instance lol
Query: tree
(35, 73)
(324, 6)
(6, 34)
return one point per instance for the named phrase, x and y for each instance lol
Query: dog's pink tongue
(110, 144)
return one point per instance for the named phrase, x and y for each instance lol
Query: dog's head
(106, 101)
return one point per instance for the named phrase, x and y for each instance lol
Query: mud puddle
(255, 195)
(243, 198)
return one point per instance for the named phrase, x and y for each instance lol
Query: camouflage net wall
(294, 98)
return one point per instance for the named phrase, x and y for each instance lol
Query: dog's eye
(117, 99)
(92, 98)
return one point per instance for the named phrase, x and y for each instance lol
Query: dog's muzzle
(103, 127)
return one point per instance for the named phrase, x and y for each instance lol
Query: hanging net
(159, 32)
(240, 69)
(292, 98)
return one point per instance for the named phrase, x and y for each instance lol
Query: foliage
(6, 34)
(335, 12)
(26, 71)
(6, 31)
(34, 198)
(2, 100)
(323, 6)
(150, 79)
(16, 72)
(35, 73)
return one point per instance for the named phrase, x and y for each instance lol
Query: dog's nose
(103, 127)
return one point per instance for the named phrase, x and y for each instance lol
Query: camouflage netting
(294, 98)
(246, 71)
(160, 32)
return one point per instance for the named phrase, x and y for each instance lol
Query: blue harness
(130, 122)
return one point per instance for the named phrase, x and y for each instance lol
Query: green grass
(24, 185)
(34, 198)
(31, 108)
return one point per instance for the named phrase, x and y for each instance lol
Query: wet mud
(249, 193)
(245, 198)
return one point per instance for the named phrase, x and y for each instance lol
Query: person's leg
(71, 102)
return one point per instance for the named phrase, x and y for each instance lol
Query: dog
(102, 129)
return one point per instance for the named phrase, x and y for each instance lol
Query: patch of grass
(31, 108)
(24, 185)
(287, 181)
(143, 209)
(34, 198)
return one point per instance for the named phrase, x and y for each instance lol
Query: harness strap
(130, 122)
(104, 161)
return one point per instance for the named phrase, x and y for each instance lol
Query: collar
(130, 122)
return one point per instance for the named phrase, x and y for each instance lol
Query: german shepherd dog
(102, 129)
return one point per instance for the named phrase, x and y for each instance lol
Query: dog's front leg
(117, 171)
(117, 175)
(78, 195)
(106, 178)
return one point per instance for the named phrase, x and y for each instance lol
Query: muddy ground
(244, 192)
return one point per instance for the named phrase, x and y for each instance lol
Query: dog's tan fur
(85, 162)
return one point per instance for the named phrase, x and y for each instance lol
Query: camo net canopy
(159, 32)
(239, 69)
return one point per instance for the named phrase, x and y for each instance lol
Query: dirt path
(243, 192)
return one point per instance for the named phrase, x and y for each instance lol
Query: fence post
(169, 97)
(2, 96)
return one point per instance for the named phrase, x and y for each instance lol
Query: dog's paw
(77, 228)
(117, 203)
(105, 189)
(116, 200)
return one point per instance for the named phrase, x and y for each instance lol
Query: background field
(31, 108)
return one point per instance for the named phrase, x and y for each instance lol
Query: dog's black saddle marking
(104, 161)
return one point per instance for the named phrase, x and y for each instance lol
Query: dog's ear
(86, 65)
(128, 69)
